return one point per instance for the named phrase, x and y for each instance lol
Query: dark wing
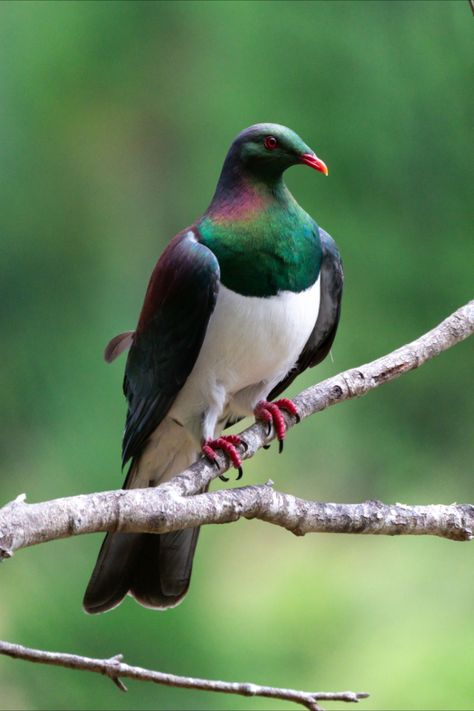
(323, 334)
(179, 301)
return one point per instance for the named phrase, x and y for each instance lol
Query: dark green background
(115, 119)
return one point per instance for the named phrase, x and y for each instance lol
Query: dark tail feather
(156, 569)
(110, 579)
(163, 568)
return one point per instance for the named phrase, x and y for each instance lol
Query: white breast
(250, 345)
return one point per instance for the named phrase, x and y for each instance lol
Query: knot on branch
(111, 668)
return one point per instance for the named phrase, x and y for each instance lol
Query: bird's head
(268, 149)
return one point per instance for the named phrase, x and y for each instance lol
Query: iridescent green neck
(264, 241)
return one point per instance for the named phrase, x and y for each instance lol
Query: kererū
(238, 305)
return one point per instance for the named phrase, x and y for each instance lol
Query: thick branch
(159, 511)
(115, 669)
(172, 506)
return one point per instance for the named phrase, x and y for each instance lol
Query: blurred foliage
(115, 118)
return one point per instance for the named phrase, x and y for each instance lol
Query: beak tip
(314, 162)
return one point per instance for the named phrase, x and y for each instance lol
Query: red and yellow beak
(314, 162)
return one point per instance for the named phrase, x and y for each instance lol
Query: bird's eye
(270, 143)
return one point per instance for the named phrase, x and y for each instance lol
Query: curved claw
(227, 444)
(271, 413)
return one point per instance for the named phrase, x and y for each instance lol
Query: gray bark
(175, 505)
(115, 669)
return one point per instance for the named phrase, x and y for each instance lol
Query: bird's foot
(270, 412)
(226, 444)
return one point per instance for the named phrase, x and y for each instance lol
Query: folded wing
(179, 301)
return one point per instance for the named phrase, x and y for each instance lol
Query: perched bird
(238, 305)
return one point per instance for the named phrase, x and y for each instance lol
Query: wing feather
(179, 301)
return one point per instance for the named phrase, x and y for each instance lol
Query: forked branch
(176, 505)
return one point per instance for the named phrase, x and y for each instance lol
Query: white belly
(250, 345)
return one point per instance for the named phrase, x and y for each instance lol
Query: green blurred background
(115, 119)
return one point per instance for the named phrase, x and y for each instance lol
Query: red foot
(226, 444)
(270, 412)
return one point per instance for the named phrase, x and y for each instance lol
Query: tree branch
(115, 669)
(177, 505)
(172, 506)
(158, 511)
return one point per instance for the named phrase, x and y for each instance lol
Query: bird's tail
(154, 568)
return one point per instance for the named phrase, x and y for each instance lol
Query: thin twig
(115, 669)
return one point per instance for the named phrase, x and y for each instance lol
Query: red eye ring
(270, 143)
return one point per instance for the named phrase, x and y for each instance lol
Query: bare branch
(159, 511)
(172, 507)
(176, 505)
(116, 669)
